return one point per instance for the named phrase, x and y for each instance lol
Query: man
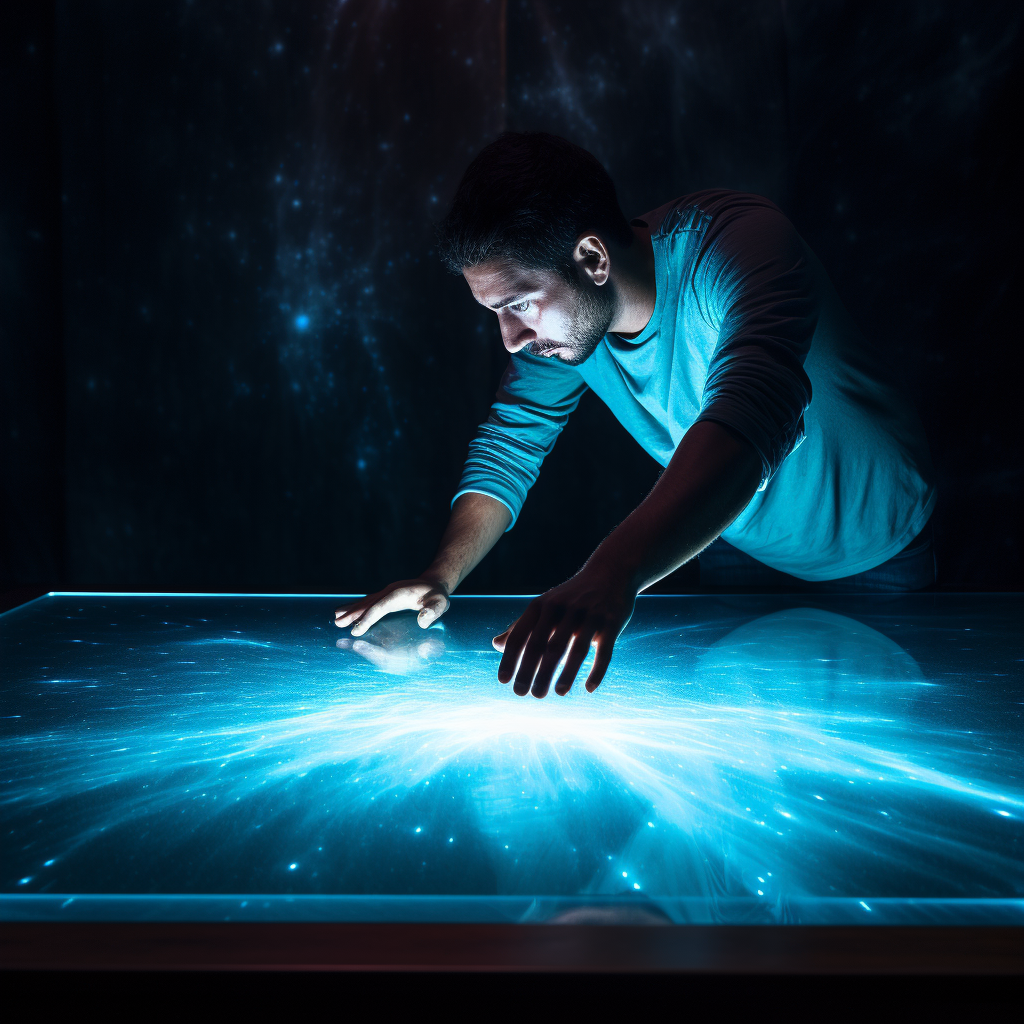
(714, 335)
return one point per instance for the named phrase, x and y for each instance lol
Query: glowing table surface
(748, 759)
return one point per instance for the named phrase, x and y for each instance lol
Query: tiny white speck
(624, 875)
(760, 879)
(650, 824)
(1005, 814)
(759, 893)
(864, 905)
(419, 830)
(636, 885)
(292, 867)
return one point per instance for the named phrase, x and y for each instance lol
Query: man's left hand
(590, 609)
(710, 479)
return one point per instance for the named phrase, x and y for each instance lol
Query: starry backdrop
(229, 359)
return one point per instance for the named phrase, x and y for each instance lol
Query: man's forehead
(497, 284)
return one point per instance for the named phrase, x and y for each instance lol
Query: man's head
(533, 226)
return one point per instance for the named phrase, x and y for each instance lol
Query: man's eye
(520, 307)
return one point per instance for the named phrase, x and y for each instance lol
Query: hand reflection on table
(398, 645)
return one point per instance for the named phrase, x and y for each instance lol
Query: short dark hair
(525, 199)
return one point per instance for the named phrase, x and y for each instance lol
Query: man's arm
(477, 522)
(533, 403)
(754, 282)
(711, 478)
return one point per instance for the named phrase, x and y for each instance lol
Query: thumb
(433, 609)
(499, 641)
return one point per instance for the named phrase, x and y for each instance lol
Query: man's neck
(632, 275)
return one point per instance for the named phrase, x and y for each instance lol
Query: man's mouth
(550, 350)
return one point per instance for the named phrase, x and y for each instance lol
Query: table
(762, 783)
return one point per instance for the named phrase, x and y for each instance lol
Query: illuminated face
(538, 310)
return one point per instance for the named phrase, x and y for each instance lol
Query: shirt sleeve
(531, 407)
(755, 284)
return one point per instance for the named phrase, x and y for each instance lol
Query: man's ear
(591, 256)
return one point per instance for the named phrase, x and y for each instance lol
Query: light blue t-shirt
(747, 331)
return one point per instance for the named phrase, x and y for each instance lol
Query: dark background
(230, 361)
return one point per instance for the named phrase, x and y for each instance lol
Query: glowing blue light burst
(797, 757)
(302, 322)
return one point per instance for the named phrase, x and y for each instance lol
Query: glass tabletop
(748, 759)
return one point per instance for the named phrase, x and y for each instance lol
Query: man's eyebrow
(508, 301)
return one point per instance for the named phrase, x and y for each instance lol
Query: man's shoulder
(696, 210)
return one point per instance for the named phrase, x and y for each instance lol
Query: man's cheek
(559, 329)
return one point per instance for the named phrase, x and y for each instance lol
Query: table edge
(739, 949)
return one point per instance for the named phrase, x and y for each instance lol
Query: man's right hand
(476, 522)
(428, 598)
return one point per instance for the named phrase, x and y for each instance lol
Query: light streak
(662, 781)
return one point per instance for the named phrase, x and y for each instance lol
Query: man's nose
(516, 337)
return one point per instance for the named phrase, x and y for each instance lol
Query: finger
(391, 603)
(433, 608)
(605, 644)
(499, 641)
(350, 612)
(533, 652)
(518, 634)
(577, 655)
(559, 643)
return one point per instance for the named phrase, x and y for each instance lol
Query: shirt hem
(917, 524)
